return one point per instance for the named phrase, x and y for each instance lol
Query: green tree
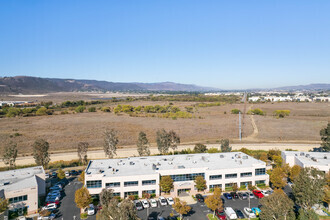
(105, 196)
(81, 177)
(181, 207)
(92, 109)
(143, 145)
(326, 197)
(235, 187)
(10, 154)
(200, 183)
(41, 111)
(277, 206)
(40, 152)
(80, 109)
(200, 148)
(60, 174)
(13, 112)
(105, 109)
(308, 187)
(82, 198)
(307, 215)
(174, 139)
(110, 143)
(277, 177)
(82, 152)
(294, 172)
(166, 183)
(214, 201)
(225, 145)
(325, 138)
(3, 205)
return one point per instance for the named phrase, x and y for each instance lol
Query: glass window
(261, 171)
(215, 177)
(215, 186)
(244, 183)
(131, 183)
(148, 182)
(116, 194)
(186, 177)
(260, 182)
(148, 191)
(94, 184)
(18, 199)
(131, 193)
(114, 184)
(232, 175)
(246, 174)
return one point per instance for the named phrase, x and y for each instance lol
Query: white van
(231, 214)
(91, 210)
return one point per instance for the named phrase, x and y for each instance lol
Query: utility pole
(240, 126)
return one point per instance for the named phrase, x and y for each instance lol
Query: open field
(210, 124)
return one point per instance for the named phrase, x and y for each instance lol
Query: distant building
(22, 187)
(319, 160)
(254, 99)
(321, 99)
(139, 175)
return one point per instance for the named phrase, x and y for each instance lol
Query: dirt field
(63, 132)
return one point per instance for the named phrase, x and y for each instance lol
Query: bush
(235, 111)
(256, 111)
(105, 109)
(83, 215)
(80, 109)
(41, 111)
(92, 109)
(281, 113)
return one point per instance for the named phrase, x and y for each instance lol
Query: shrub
(80, 109)
(235, 111)
(281, 113)
(41, 111)
(83, 215)
(91, 109)
(256, 111)
(105, 109)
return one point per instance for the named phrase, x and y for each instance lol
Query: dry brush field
(210, 124)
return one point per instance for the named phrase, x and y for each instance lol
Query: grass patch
(210, 217)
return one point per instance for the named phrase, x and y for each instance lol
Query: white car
(153, 203)
(251, 195)
(91, 210)
(145, 203)
(47, 176)
(162, 200)
(264, 192)
(50, 206)
(248, 212)
(67, 174)
(170, 201)
(230, 213)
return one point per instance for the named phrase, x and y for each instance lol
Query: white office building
(139, 175)
(319, 160)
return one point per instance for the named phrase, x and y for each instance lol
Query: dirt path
(255, 128)
(130, 152)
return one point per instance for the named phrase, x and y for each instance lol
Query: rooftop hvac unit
(131, 163)
(325, 157)
(307, 155)
(302, 154)
(194, 161)
(222, 156)
(245, 157)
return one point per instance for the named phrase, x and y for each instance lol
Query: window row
(186, 177)
(261, 171)
(131, 183)
(18, 199)
(94, 184)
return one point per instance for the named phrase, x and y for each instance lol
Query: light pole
(246, 185)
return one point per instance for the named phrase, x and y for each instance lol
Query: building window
(228, 185)
(261, 171)
(215, 177)
(148, 192)
(114, 184)
(131, 193)
(260, 182)
(131, 183)
(246, 174)
(94, 184)
(215, 186)
(243, 184)
(231, 176)
(116, 194)
(186, 177)
(148, 182)
(18, 199)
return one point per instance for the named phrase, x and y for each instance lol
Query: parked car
(138, 205)
(200, 198)
(230, 213)
(264, 192)
(47, 175)
(248, 212)
(160, 218)
(227, 196)
(234, 195)
(239, 213)
(67, 174)
(153, 203)
(57, 202)
(73, 172)
(170, 201)
(243, 195)
(145, 203)
(258, 194)
(162, 200)
(270, 192)
(54, 174)
(91, 210)
(54, 198)
(251, 195)
(256, 211)
(220, 214)
(50, 206)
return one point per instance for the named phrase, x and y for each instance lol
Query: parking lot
(198, 211)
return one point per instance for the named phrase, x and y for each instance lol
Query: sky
(235, 44)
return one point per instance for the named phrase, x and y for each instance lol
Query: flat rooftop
(20, 178)
(311, 158)
(155, 164)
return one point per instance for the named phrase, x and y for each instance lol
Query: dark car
(239, 213)
(73, 173)
(242, 195)
(138, 205)
(234, 195)
(221, 214)
(200, 198)
(227, 196)
(54, 174)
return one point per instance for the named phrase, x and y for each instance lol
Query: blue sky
(224, 44)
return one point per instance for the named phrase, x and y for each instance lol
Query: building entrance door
(183, 192)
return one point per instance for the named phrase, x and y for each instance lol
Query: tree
(200, 148)
(307, 215)
(41, 111)
(308, 187)
(166, 183)
(125, 211)
(10, 154)
(214, 201)
(225, 145)
(200, 183)
(326, 197)
(110, 143)
(60, 174)
(82, 152)
(91, 109)
(82, 198)
(174, 139)
(277, 177)
(40, 152)
(277, 206)
(294, 172)
(105, 196)
(128, 210)
(165, 140)
(81, 177)
(325, 138)
(80, 109)
(181, 207)
(3, 205)
(143, 145)
(235, 187)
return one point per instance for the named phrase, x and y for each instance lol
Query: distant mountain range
(32, 85)
(310, 87)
